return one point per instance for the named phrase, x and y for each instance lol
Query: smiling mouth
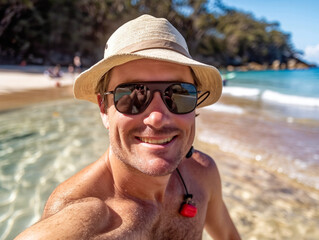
(156, 141)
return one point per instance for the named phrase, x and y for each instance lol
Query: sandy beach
(18, 89)
(263, 203)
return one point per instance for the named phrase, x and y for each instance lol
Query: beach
(22, 86)
(265, 200)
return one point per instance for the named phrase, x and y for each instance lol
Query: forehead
(149, 70)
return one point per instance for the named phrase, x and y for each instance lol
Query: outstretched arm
(80, 220)
(75, 210)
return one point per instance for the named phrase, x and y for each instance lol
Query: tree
(53, 31)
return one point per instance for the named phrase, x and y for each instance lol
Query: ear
(101, 103)
(103, 114)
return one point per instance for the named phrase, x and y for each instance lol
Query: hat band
(151, 44)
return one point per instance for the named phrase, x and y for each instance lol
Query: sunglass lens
(131, 98)
(181, 97)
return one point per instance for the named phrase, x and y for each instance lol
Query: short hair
(102, 87)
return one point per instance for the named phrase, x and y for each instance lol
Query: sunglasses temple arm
(205, 95)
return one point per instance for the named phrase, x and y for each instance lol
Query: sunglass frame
(154, 86)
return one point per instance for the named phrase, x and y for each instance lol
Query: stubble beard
(155, 165)
(133, 161)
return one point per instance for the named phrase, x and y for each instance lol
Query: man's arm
(80, 220)
(90, 182)
(218, 222)
(75, 209)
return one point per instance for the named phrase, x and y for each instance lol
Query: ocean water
(300, 83)
(293, 93)
(282, 109)
(40, 147)
(269, 120)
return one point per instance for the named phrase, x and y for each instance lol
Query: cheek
(113, 121)
(192, 131)
(187, 124)
(187, 121)
(119, 124)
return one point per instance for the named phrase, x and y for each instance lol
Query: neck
(131, 183)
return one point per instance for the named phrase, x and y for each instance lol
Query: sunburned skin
(134, 191)
(91, 204)
(115, 216)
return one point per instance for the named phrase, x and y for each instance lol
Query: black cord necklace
(187, 208)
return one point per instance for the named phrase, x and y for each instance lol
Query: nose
(157, 115)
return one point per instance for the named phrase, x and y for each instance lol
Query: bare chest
(136, 221)
(176, 226)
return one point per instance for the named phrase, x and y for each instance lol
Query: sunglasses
(134, 98)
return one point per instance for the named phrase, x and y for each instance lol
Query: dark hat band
(153, 44)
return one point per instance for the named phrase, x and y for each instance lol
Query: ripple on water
(41, 146)
(7, 196)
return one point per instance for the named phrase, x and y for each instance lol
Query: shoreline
(258, 199)
(25, 95)
(24, 98)
(19, 89)
(281, 144)
(257, 196)
(262, 202)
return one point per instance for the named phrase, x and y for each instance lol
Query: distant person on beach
(55, 74)
(150, 183)
(77, 64)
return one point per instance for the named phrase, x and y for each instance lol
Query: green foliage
(53, 31)
(252, 40)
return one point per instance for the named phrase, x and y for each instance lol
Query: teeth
(156, 141)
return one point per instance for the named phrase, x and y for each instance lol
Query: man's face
(155, 141)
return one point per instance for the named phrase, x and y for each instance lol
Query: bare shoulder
(85, 185)
(205, 169)
(204, 161)
(76, 209)
(80, 220)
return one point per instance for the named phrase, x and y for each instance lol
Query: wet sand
(262, 203)
(18, 89)
(265, 205)
(20, 99)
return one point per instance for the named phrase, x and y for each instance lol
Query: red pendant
(188, 210)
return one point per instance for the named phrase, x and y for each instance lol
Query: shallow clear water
(288, 104)
(44, 144)
(41, 146)
(303, 83)
(288, 93)
(286, 146)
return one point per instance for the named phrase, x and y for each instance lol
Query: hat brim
(208, 76)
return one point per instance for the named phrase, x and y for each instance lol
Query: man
(149, 184)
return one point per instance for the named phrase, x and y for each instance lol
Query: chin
(158, 167)
(159, 164)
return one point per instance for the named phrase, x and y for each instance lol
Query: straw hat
(151, 38)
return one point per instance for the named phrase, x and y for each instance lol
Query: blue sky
(300, 18)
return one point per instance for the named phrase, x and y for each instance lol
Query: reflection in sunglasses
(134, 98)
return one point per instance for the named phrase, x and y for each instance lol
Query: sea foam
(272, 96)
(218, 107)
(242, 92)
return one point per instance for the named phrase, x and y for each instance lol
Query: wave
(242, 92)
(218, 107)
(271, 96)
